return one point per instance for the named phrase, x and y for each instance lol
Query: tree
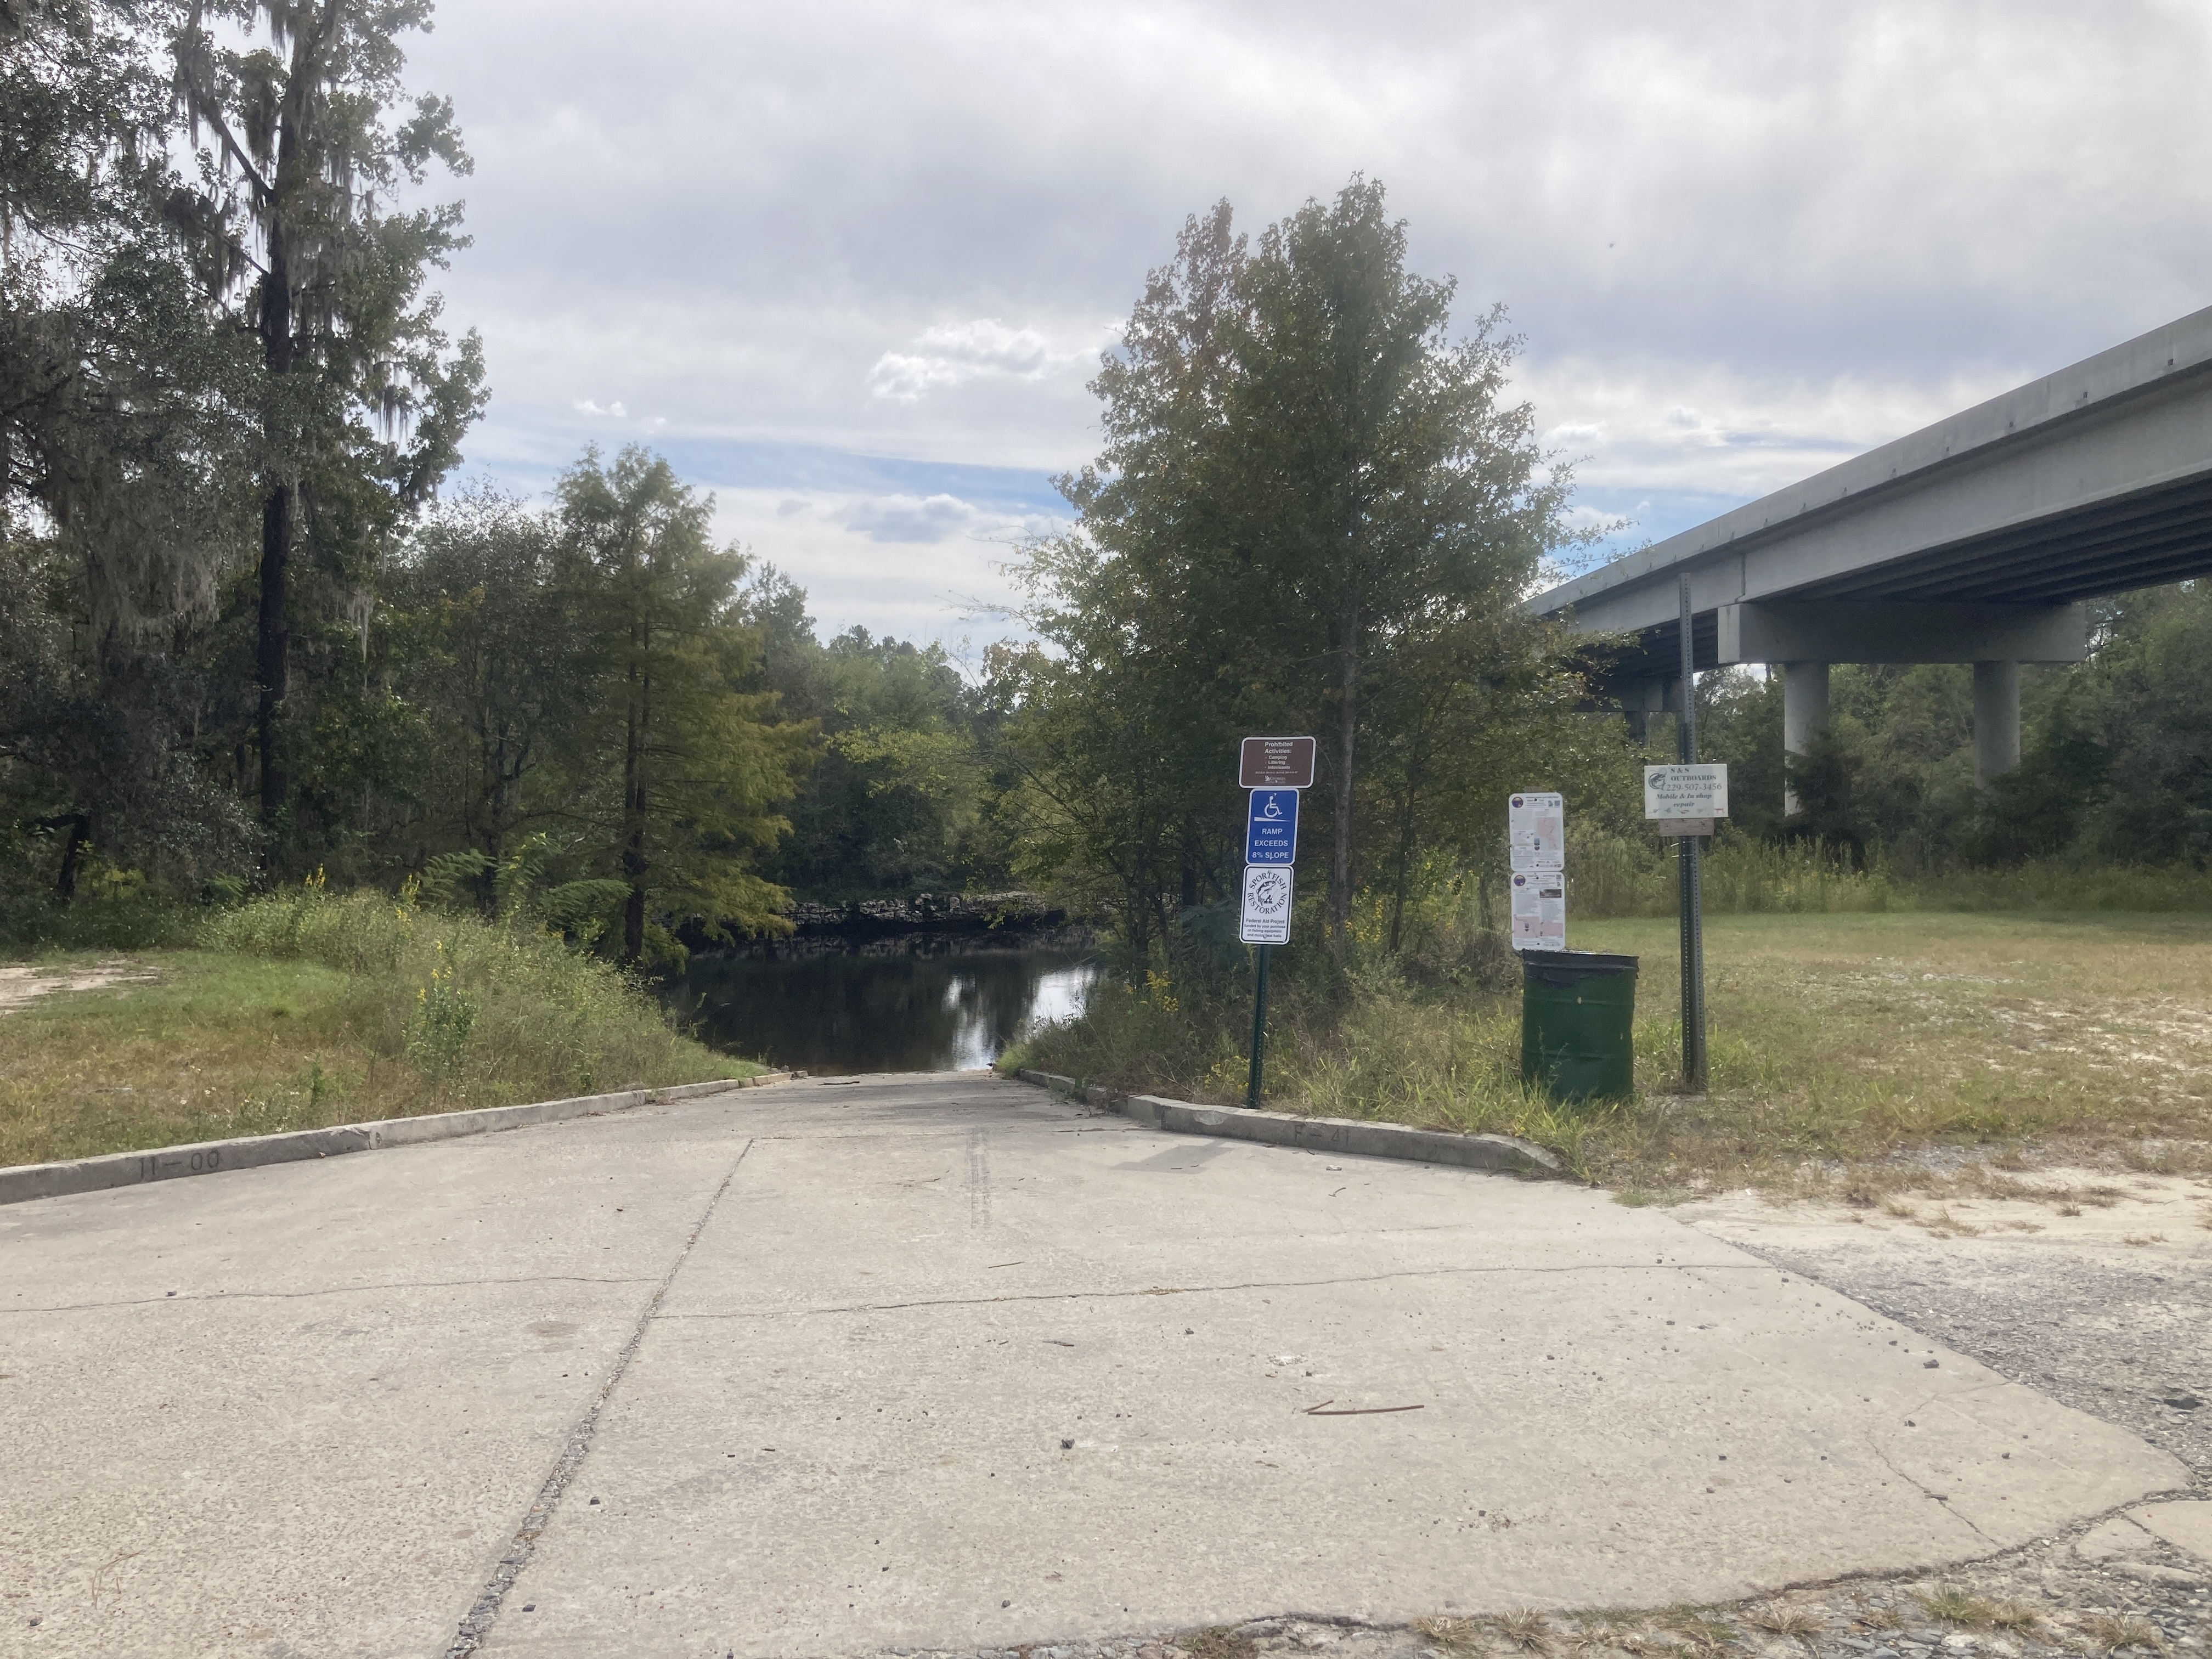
(496, 662)
(362, 404)
(676, 773)
(2136, 760)
(1393, 494)
(121, 464)
(1310, 498)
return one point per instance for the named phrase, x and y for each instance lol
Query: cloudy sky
(849, 265)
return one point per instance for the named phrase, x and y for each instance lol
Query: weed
(2143, 1238)
(1218, 1642)
(1701, 1631)
(2107, 1632)
(1782, 1620)
(2016, 1616)
(1956, 1606)
(1944, 1225)
(1452, 1635)
(1524, 1629)
(1898, 1207)
(1593, 1637)
(439, 1026)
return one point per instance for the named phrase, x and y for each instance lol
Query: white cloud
(926, 519)
(923, 567)
(952, 354)
(1660, 423)
(891, 229)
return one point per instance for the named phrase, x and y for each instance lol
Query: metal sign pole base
(1258, 1022)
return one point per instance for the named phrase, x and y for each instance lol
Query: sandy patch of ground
(20, 985)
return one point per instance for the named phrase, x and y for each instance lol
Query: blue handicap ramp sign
(1271, 832)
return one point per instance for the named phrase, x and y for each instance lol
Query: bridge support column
(1996, 720)
(1804, 712)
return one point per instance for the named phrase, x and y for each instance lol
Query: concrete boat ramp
(926, 1362)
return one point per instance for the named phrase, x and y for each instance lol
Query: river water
(924, 1007)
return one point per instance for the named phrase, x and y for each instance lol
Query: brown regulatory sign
(1276, 764)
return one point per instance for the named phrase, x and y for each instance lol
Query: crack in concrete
(1209, 1289)
(1950, 1508)
(334, 1290)
(483, 1613)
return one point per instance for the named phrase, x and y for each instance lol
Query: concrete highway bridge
(1974, 540)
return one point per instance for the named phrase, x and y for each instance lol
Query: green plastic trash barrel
(1578, 1023)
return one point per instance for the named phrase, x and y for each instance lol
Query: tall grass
(2060, 884)
(1611, 876)
(1379, 1050)
(483, 1011)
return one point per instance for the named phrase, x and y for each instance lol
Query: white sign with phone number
(1685, 792)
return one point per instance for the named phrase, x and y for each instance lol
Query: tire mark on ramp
(484, 1613)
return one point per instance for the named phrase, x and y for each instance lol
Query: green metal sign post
(1260, 952)
(1690, 852)
(1274, 770)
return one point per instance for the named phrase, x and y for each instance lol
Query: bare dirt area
(21, 985)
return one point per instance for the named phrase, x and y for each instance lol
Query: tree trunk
(1339, 863)
(279, 507)
(79, 826)
(272, 654)
(634, 864)
(1417, 757)
(1405, 857)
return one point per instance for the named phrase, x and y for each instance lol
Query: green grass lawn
(1837, 1042)
(1854, 1035)
(216, 1044)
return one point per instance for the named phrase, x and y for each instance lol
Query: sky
(849, 266)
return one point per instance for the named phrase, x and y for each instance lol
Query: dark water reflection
(926, 1009)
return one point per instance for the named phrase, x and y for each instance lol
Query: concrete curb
(87, 1175)
(1349, 1137)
